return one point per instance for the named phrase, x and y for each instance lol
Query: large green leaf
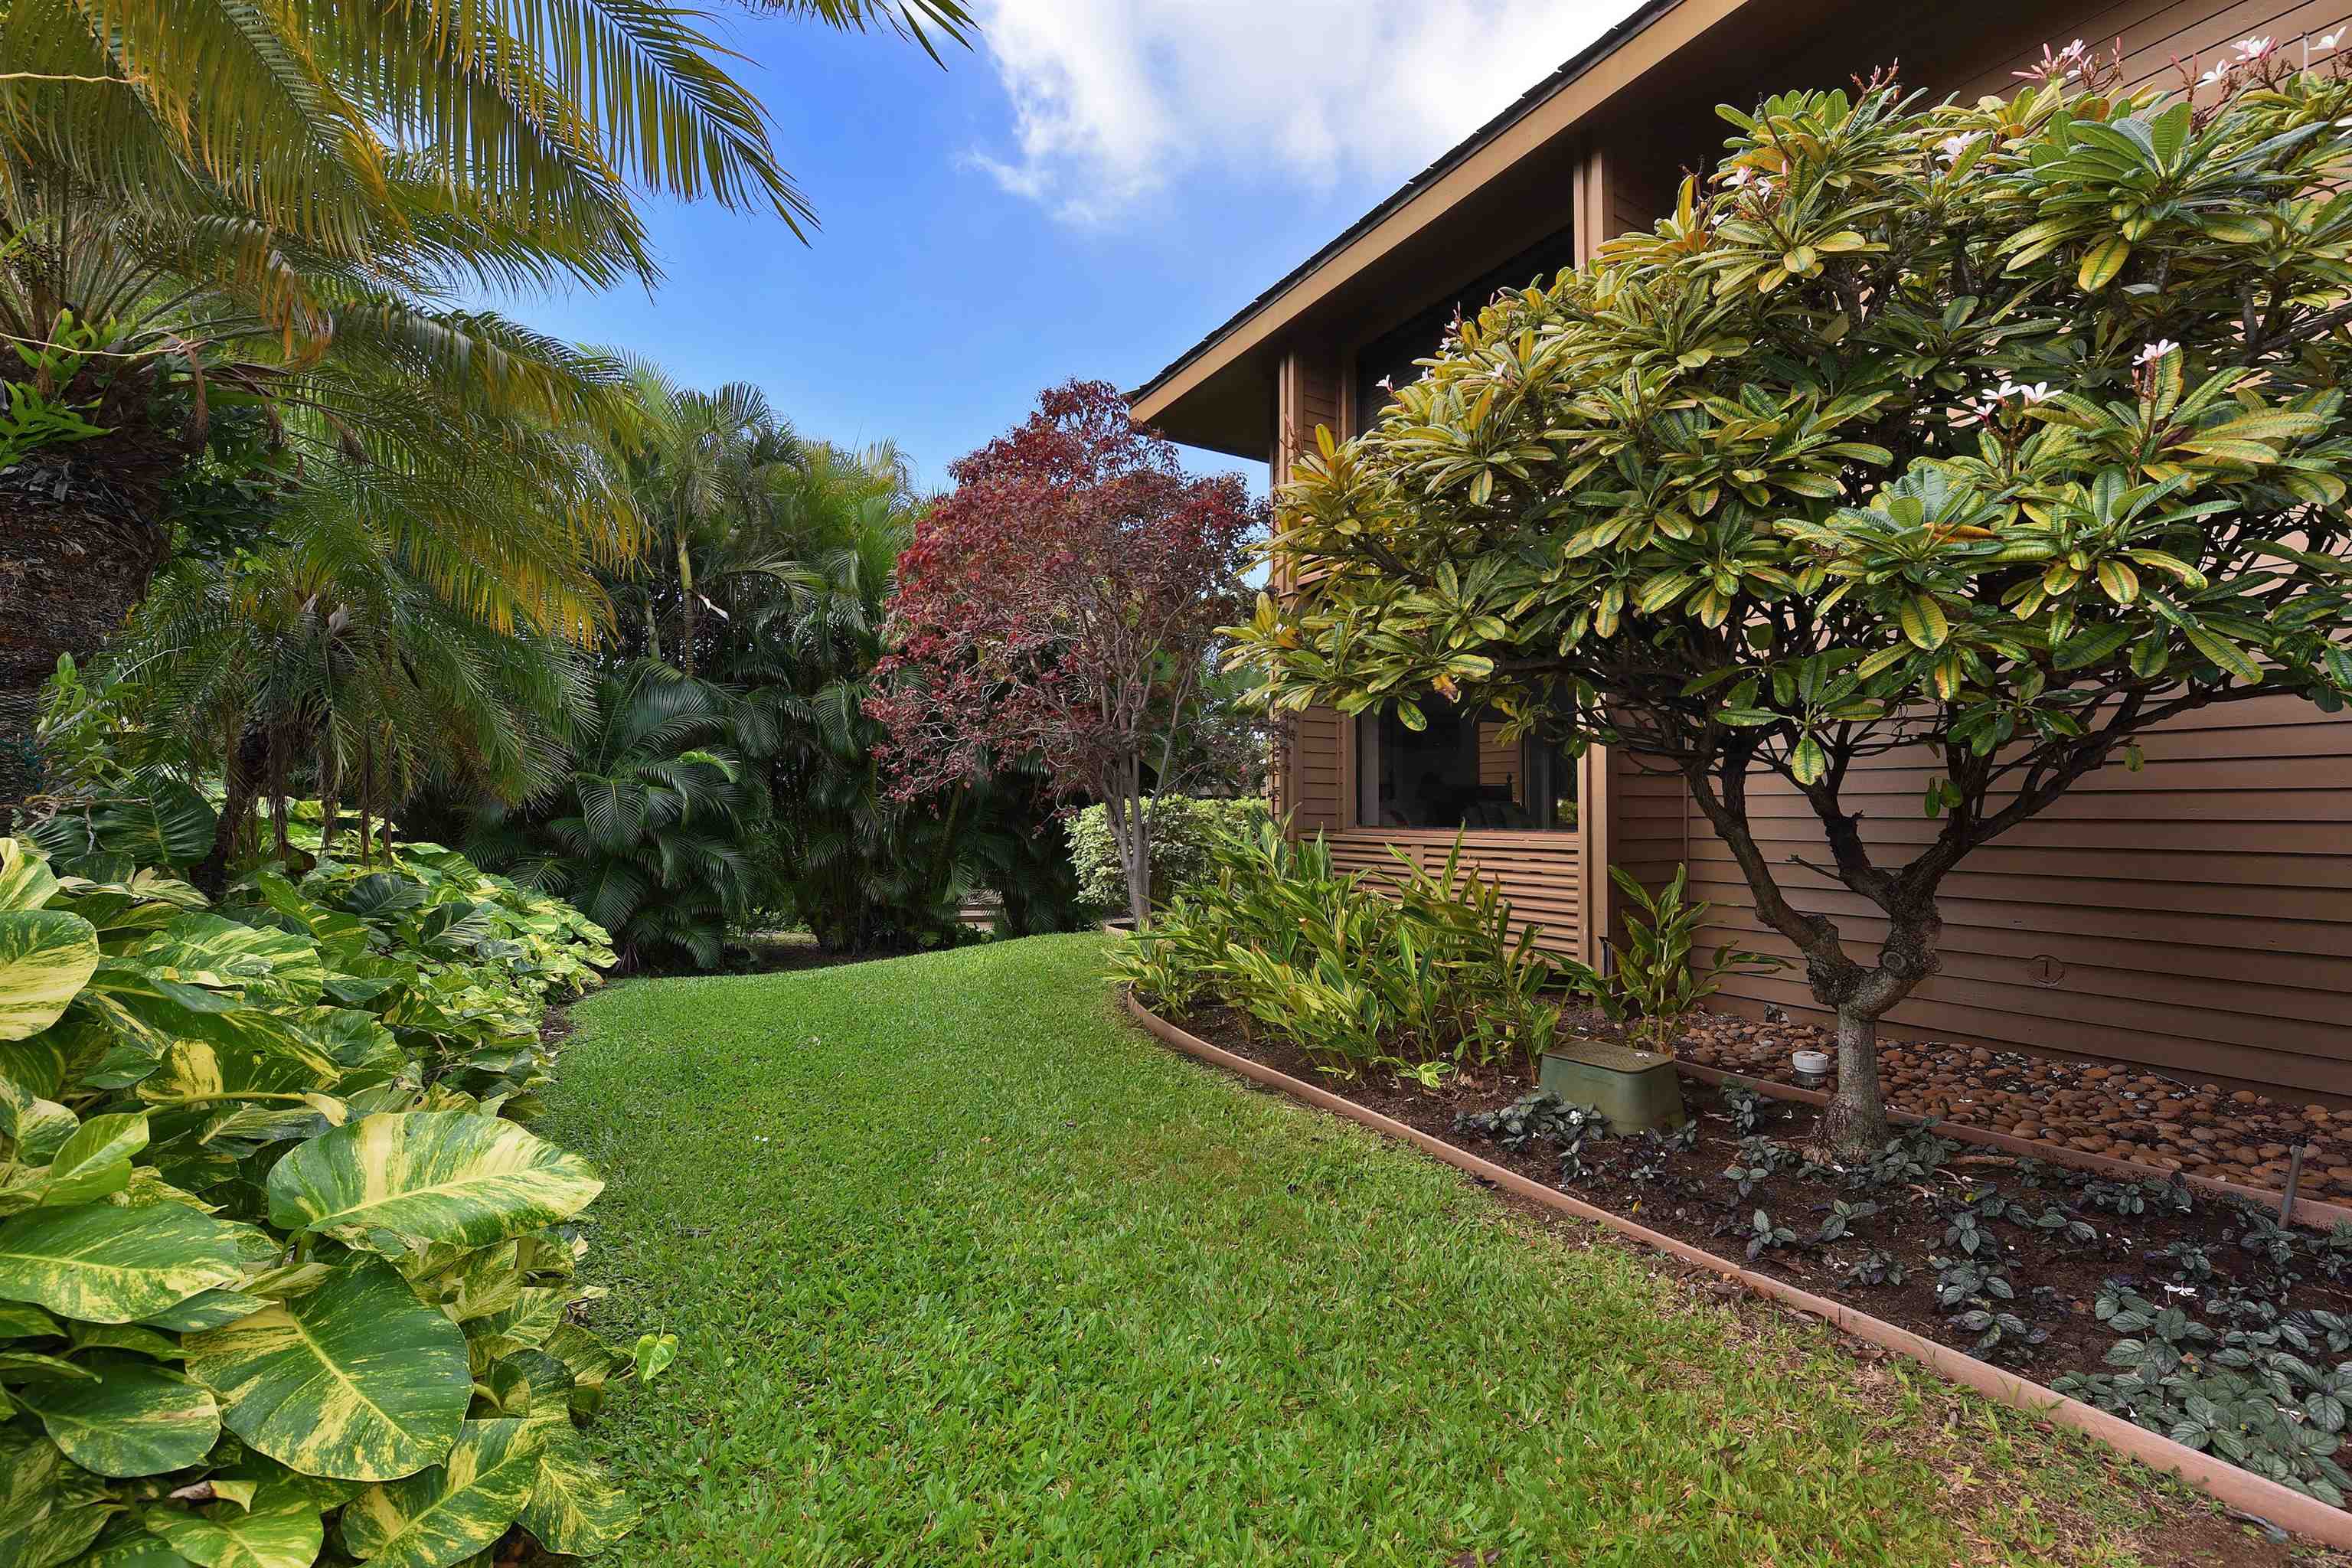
(132, 1418)
(96, 1160)
(444, 1176)
(261, 963)
(454, 1508)
(167, 824)
(26, 880)
(281, 1530)
(21, 1321)
(130, 1546)
(248, 1051)
(110, 1265)
(573, 1508)
(46, 956)
(206, 1309)
(358, 1380)
(49, 1509)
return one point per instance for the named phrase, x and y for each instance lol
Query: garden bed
(2232, 1135)
(2110, 1246)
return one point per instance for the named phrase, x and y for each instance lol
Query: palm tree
(651, 834)
(204, 204)
(325, 665)
(703, 470)
(864, 870)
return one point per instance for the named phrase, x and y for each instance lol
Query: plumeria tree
(1995, 435)
(1061, 607)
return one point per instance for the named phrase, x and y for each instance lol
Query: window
(1389, 356)
(1460, 774)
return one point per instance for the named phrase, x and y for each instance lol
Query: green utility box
(1636, 1090)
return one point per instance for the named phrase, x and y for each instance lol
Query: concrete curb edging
(2316, 1213)
(2218, 1478)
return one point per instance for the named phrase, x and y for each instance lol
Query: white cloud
(1113, 99)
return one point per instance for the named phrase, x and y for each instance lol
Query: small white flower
(2156, 351)
(2034, 392)
(1953, 146)
(2071, 51)
(1386, 384)
(2218, 73)
(2255, 48)
(2332, 39)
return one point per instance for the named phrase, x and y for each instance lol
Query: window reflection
(1459, 773)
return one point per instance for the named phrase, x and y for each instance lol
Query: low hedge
(1185, 832)
(284, 1278)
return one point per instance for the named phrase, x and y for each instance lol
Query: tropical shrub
(1185, 832)
(651, 833)
(284, 1278)
(2007, 430)
(864, 870)
(1354, 970)
(1653, 979)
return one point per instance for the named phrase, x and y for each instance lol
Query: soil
(1685, 1195)
(2234, 1135)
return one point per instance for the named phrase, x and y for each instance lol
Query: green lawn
(967, 1271)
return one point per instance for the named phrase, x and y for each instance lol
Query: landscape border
(2218, 1478)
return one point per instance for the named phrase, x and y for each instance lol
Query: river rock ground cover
(2236, 1135)
(966, 1269)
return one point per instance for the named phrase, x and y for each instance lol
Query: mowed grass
(968, 1270)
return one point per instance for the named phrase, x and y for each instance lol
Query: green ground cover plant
(284, 1278)
(992, 1278)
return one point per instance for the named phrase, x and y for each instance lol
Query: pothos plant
(1992, 435)
(283, 1277)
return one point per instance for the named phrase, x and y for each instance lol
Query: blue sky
(1085, 192)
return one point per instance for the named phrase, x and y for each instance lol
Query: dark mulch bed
(1686, 1195)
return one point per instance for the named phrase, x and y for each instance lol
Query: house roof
(1154, 397)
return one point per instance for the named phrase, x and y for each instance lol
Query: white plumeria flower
(2034, 392)
(2156, 351)
(1386, 384)
(1953, 146)
(2332, 39)
(2218, 73)
(2255, 48)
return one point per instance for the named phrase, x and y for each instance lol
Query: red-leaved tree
(1062, 606)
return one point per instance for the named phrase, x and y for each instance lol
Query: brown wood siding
(2195, 917)
(1540, 873)
(2154, 34)
(1309, 397)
